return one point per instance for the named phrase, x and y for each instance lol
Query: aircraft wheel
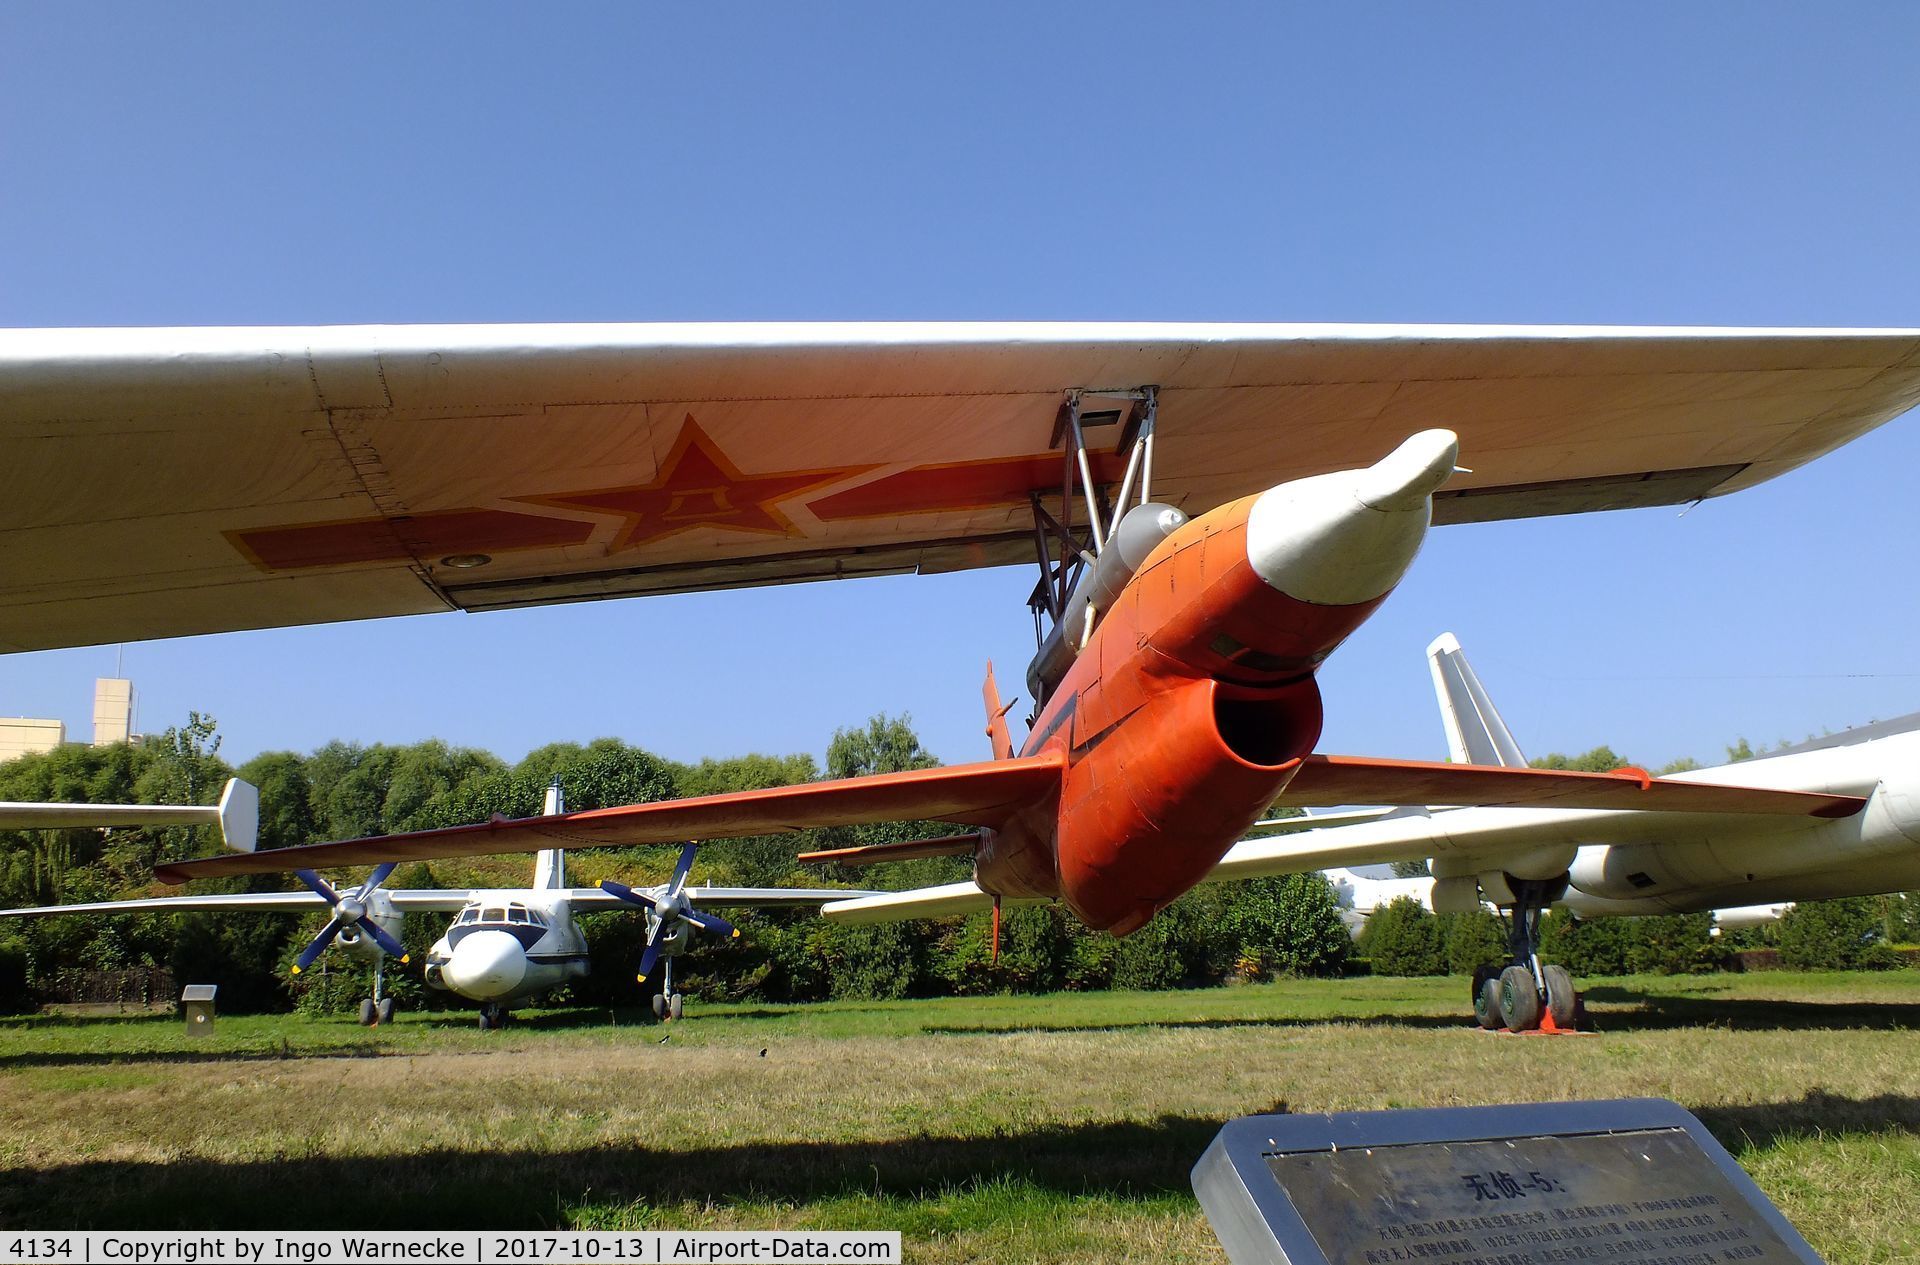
(1486, 1006)
(1562, 1002)
(486, 1020)
(366, 1012)
(1519, 999)
(383, 1010)
(675, 1005)
(659, 1006)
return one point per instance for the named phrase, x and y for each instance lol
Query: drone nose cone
(486, 965)
(1346, 538)
(1411, 473)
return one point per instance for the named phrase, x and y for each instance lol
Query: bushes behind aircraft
(344, 790)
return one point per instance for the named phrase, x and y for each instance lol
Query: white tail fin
(1475, 732)
(550, 864)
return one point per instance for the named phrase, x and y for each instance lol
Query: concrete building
(20, 736)
(112, 722)
(112, 710)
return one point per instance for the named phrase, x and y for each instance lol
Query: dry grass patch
(1056, 1128)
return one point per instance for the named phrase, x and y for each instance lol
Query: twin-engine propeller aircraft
(505, 947)
(1213, 509)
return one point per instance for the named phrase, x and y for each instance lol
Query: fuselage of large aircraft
(1704, 864)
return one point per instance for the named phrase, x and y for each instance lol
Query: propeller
(349, 910)
(669, 904)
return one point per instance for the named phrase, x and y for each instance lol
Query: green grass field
(1031, 1128)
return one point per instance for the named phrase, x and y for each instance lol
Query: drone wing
(972, 794)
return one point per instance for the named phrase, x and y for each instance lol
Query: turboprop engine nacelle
(380, 910)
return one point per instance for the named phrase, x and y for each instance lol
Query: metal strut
(1063, 548)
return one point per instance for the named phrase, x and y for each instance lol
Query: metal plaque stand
(1631, 1181)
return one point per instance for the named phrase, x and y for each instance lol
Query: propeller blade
(378, 877)
(652, 956)
(707, 922)
(320, 942)
(319, 885)
(378, 934)
(682, 868)
(620, 891)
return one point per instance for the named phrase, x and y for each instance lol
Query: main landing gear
(667, 1004)
(1527, 996)
(376, 1010)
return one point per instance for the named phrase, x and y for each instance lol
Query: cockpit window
(518, 913)
(469, 914)
(494, 915)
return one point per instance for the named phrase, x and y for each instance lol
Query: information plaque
(1634, 1181)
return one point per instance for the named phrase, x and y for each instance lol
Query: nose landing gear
(376, 1010)
(667, 1004)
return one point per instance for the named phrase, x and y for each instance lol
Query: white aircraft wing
(237, 815)
(1319, 821)
(271, 477)
(726, 897)
(236, 902)
(946, 901)
(424, 900)
(1470, 833)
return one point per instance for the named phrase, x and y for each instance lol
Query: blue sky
(1691, 164)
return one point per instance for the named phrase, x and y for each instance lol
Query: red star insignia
(698, 487)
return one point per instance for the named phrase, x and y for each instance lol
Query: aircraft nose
(1345, 538)
(1407, 476)
(486, 965)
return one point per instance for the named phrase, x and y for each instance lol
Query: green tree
(1835, 935)
(1675, 944)
(1177, 949)
(1472, 940)
(884, 745)
(1403, 938)
(1587, 946)
(286, 798)
(1601, 759)
(1289, 924)
(1902, 916)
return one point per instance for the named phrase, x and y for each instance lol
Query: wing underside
(270, 477)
